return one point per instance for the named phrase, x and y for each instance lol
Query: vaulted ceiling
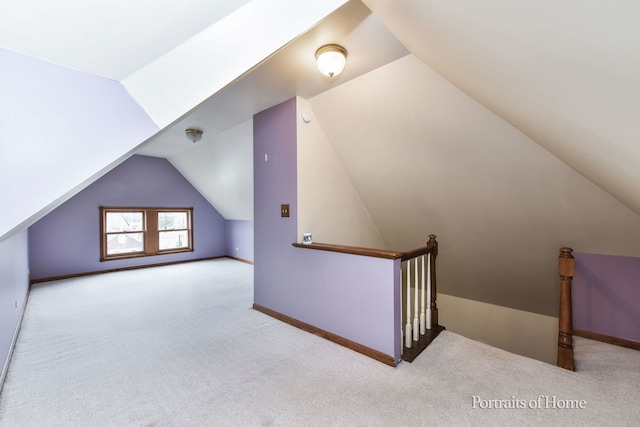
(555, 82)
(566, 73)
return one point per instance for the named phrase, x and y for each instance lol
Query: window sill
(143, 255)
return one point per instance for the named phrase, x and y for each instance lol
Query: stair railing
(420, 307)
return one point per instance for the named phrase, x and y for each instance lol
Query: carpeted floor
(180, 346)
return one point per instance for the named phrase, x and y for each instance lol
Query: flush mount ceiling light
(331, 59)
(194, 135)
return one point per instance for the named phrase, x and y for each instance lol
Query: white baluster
(400, 312)
(407, 331)
(429, 291)
(423, 324)
(416, 327)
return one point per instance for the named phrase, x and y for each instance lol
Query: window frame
(151, 233)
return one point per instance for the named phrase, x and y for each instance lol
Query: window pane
(125, 243)
(123, 221)
(172, 220)
(173, 240)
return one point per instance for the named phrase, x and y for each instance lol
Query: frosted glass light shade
(331, 59)
(194, 135)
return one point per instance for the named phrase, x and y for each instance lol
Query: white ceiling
(290, 72)
(220, 166)
(119, 38)
(111, 39)
(566, 73)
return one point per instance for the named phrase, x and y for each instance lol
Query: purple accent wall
(239, 239)
(352, 296)
(67, 240)
(14, 283)
(274, 135)
(606, 295)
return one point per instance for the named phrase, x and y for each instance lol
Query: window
(134, 232)
(173, 229)
(124, 232)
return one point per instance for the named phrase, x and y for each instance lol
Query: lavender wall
(351, 296)
(14, 283)
(239, 239)
(355, 297)
(606, 295)
(67, 240)
(58, 129)
(274, 135)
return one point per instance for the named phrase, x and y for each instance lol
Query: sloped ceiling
(565, 73)
(222, 170)
(290, 72)
(111, 39)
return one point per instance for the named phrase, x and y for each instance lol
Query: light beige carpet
(180, 346)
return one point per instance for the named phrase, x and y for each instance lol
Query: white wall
(565, 73)
(425, 157)
(220, 167)
(328, 205)
(521, 332)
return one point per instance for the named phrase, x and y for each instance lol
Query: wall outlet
(284, 211)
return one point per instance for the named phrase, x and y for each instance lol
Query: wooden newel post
(565, 327)
(433, 243)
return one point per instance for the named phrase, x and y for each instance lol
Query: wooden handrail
(566, 270)
(432, 245)
(353, 250)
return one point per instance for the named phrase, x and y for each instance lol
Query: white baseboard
(5, 367)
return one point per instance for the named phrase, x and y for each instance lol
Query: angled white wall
(565, 73)
(220, 167)
(424, 157)
(328, 205)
